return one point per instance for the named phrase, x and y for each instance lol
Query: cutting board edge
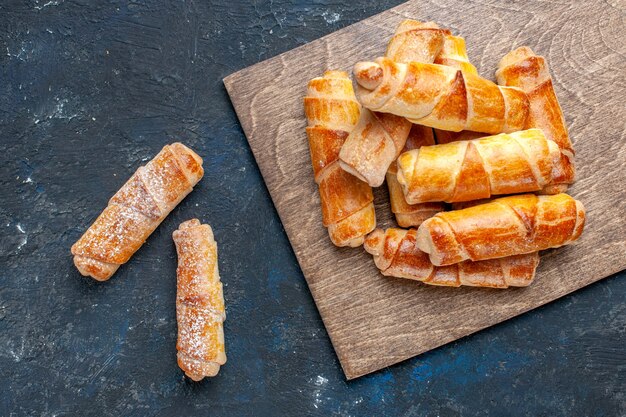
(353, 372)
(229, 79)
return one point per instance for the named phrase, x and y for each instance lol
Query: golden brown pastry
(200, 309)
(376, 141)
(454, 54)
(408, 215)
(396, 254)
(504, 227)
(347, 202)
(524, 69)
(136, 210)
(439, 96)
(511, 163)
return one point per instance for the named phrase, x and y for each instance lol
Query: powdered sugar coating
(136, 210)
(200, 308)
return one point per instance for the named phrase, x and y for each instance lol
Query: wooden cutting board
(374, 321)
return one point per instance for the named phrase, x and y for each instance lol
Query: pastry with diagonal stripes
(378, 138)
(511, 163)
(136, 210)
(524, 69)
(506, 226)
(347, 202)
(397, 255)
(440, 96)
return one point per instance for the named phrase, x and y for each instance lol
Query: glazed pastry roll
(200, 311)
(136, 210)
(396, 254)
(376, 141)
(440, 96)
(503, 227)
(347, 202)
(408, 215)
(470, 170)
(524, 69)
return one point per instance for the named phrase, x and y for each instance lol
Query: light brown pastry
(439, 96)
(200, 311)
(396, 254)
(408, 215)
(523, 69)
(347, 202)
(136, 210)
(376, 141)
(373, 145)
(511, 163)
(503, 227)
(416, 41)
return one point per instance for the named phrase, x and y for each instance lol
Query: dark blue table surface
(89, 90)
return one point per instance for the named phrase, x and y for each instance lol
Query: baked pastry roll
(200, 311)
(136, 210)
(512, 163)
(523, 69)
(347, 202)
(408, 215)
(376, 141)
(439, 96)
(396, 254)
(503, 227)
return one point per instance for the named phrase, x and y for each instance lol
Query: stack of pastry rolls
(476, 170)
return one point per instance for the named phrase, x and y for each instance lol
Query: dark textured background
(91, 90)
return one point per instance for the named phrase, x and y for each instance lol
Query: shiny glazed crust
(421, 42)
(440, 96)
(512, 163)
(523, 69)
(136, 210)
(347, 202)
(396, 254)
(503, 227)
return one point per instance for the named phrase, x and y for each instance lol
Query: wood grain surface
(375, 321)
